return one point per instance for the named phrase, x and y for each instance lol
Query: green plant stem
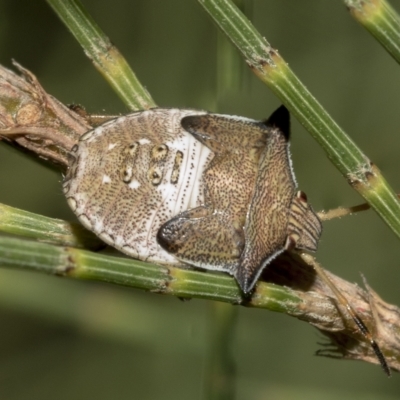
(104, 55)
(82, 264)
(49, 230)
(270, 67)
(381, 20)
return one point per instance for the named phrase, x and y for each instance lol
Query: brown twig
(332, 318)
(34, 120)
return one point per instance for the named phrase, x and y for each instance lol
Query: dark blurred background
(63, 339)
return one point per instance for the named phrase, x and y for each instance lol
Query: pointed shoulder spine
(280, 119)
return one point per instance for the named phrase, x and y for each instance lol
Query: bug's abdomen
(126, 179)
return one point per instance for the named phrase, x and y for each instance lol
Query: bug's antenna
(310, 260)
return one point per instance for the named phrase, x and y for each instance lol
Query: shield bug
(180, 186)
(214, 191)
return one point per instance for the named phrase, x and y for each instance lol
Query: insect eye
(301, 196)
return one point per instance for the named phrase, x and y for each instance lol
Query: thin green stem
(81, 264)
(381, 20)
(270, 67)
(49, 230)
(104, 55)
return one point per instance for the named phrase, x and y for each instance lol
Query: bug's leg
(204, 239)
(342, 212)
(92, 119)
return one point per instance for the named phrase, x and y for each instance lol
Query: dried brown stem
(332, 318)
(342, 300)
(33, 119)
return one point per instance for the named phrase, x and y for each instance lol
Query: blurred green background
(63, 339)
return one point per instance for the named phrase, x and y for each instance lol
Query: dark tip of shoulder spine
(280, 119)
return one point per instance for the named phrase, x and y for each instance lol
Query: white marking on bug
(128, 174)
(106, 237)
(80, 167)
(81, 197)
(80, 201)
(85, 221)
(291, 165)
(106, 179)
(98, 226)
(72, 203)
(134, 184)
(167, 190)
(119, 241)
(111, 146)
(144, 141)
(237, 118)
(203, 157)
(95, 134)
(128, 249)
(189, 188)
(180, 144)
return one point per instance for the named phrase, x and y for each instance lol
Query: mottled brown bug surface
(177, 186)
